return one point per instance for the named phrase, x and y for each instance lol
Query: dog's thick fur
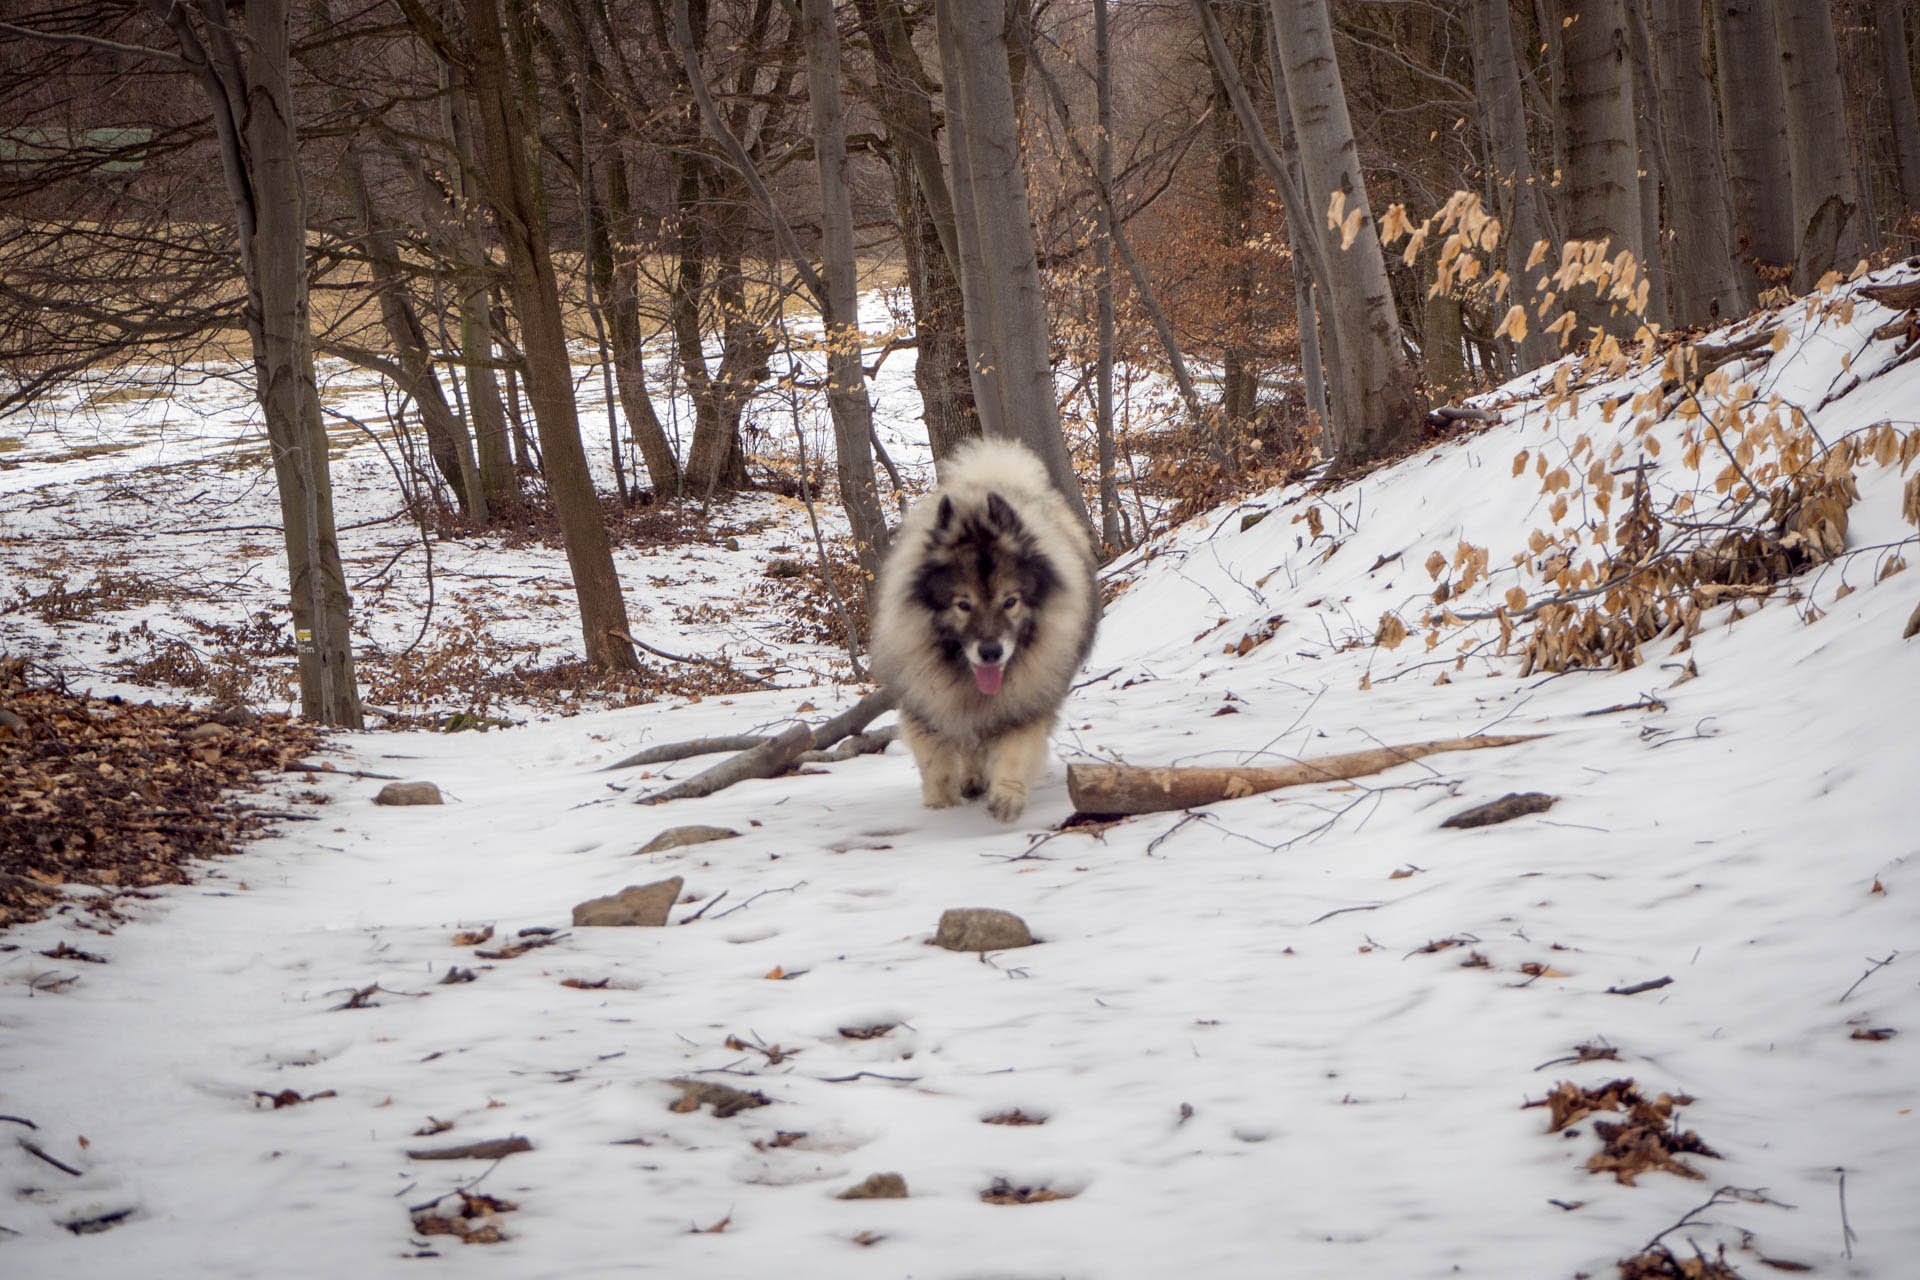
(993, 565)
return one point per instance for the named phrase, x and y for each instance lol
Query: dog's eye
(1011, 602)
(964, 606)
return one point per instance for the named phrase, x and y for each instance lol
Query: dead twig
(33, 1149)
(1634, 990)
(1874, 967)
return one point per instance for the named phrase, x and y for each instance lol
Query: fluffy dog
(986, 607)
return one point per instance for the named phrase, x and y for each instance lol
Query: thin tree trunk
(1650, 145)
(847, 400)
(1829, 229)
(1896, 69)
(1111, 512)
(974, 57)
(1142, 285)
(473, 281)
(1522, 200)
(522, 226)
(1381, 410)
(448, 443)
(924, 209)
(1707, 282)
(1601, 184)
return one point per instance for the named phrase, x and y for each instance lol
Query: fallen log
(1120, 788)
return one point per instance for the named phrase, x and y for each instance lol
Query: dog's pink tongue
(988, 678)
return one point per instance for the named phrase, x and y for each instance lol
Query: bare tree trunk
(847, 401)
(1111, 512)
(448, 443)
(522, 226)
(1523, 203)
(1650, 145)
(1380, 409)
(493, 442)
(1890, 19)
(1753, 109)
(247, 83)
(1707, 282)
(1829, 229)
(924, 209)
(1601, 184)
(985, 131)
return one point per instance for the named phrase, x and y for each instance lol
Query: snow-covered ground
(1248, 1029)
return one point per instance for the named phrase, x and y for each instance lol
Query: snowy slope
(1248, 1059)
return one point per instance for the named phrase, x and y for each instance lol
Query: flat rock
(680, 837)
(1515, 804)
(981, 929)
(637, 904)
(409, 793)
(880, 1186)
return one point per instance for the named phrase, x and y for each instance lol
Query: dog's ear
(945, 515)
(1001, 517)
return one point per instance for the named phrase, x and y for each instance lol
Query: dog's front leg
(942, 766)
(1011, 765)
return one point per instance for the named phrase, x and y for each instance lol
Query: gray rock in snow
(679, 837)
(409, 793)
(981, 929)
(637, 904)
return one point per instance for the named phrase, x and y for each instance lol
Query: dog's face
(983, 582)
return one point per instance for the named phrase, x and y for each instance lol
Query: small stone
(1513, 805)
(881, 1186)
(208, 732)
(981, 929)
(679, 837)
(409, 793)
(784, 569)
(637, 904)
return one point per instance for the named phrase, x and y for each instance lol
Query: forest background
(1322, 221)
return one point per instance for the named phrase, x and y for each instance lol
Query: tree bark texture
(923, 206)
(246, 79)
(530, 277)
(1828, 224)
(1650, 145)
(847, 401)
(1003, 287)
(1601, 183)
(1522, 199)
(1380, 409)
(1112, 513)
(1708, 284)
(473, 281)
(1890, 20)
(1753, 110)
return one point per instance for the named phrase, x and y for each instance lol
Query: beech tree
(530, 274)
(1379, 410)
(244, 73)
(1006, 312)
(1828, 226)
(1602, 187)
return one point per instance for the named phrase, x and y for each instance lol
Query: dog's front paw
(938, 795)
(1007, 803)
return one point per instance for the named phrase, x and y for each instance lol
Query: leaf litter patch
(475, 1219)
(1649, 1140)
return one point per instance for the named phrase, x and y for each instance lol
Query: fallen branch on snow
(1118, 788)
(774, 756)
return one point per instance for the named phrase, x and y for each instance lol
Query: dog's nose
(990, 651)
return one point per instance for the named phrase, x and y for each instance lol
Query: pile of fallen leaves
(1648, 1140)
(117, 794)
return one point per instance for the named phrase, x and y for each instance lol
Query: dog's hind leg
(1012, 762)
(943, 767)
